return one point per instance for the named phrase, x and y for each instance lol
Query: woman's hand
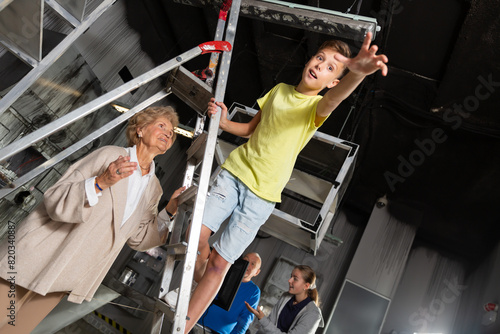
(258, 313)
(116, 171)
(174, 201)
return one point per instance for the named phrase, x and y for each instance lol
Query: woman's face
(296, 283)
(158, 135)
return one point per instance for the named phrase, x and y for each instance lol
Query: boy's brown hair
(340, 47)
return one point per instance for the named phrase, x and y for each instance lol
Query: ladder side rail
(214, 57)
(52, 56)
(176, 234)
(81, 143)
(97, 103)
(219, 34)
(205, 173)
(176, 237)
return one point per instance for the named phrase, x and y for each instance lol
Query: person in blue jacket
(238, 318)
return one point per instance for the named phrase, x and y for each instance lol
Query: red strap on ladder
(215, 46)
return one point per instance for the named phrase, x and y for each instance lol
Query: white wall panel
(428, 296)
(382, 252)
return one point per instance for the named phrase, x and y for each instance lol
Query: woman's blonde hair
(309, 276)
(147, 116)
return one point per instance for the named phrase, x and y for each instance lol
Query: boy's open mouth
(313, 74)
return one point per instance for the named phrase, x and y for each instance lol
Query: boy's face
(322, 70)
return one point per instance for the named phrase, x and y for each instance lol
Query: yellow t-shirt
(264, 163)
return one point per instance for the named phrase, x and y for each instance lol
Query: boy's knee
(203, 246)
(218, 262)
(205, 234)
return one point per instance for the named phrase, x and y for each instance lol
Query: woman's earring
(139, 135)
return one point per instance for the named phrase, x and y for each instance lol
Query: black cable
(350, 7)
(358, 8)
(388, 24)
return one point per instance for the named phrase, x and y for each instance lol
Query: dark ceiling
(429, 132)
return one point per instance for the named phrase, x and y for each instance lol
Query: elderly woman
(69, 242)
(297, 311)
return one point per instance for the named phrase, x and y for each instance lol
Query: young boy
(256, 172)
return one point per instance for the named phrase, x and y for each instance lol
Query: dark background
(428, 132)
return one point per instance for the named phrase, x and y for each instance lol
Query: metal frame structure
(80, 144)
(109, 97)
(39, 66)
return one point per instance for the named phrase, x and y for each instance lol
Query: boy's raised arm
(365, 63)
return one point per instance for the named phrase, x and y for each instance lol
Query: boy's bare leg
(207, 288)
(202, 258)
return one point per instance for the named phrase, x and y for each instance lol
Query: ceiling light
(179, 130)
(120, 108)
(183, 132)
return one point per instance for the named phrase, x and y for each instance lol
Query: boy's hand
(366, 62)
(212, 110)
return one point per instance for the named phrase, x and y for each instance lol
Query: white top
(137, 183)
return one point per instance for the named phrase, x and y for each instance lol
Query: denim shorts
(230, 197)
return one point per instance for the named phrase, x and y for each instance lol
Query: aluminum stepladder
(200, 156)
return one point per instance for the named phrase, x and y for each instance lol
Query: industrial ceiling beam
(309, 18)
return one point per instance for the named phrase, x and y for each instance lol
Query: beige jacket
(66, 245)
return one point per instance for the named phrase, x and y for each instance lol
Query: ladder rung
(188, 196)
(165, 308)
(197, 148)
(176, 249)
(144, 300)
